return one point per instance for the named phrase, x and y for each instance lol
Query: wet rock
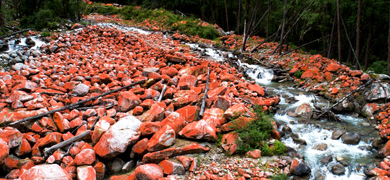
(214, 116)
(80, 90)
(170, 167)
(120, 135)
(286, 129)
(385, 151)
(299, 141)
(369, 109)
(4, 150)
(291, 113)
(338, 169)
(383, 76)
(377, 143)
(304, 110)
(128, 166)
(291, 100)
(320, 147)
(337, 133)
(344, 107)
(351, 138)
(199, 130)
(326, 159)
(299, 168)
(185, 97)
(45, 171)
(148, 172)
(163, 138)
(86, 172)
(377, 92)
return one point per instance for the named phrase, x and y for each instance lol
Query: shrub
(379, 67)
(298, 74)
(280, 177)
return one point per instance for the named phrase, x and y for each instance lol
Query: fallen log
(17, 32)
(202, 109)
(74, 105)
(162, 93)
(48, 151)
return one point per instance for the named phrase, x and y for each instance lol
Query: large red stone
(148, 172)
(185, 97)
(237, 110)
(186, 82)
(186, 161)
(256, 88)
(149, 128)
(170, 167)
(163, 138)
(155, 157)
(141, 146)
(86, 173)
(85, 157)
(192, 148)
(214, 116)
(23, 148)
(199, 130)
(229, 142)
(120, 135)
(189, 113)
(213, 93)
(155, 113)
(12, 136)
(236, 124)
(127, 101)
(100, 128)
(46, 171)
(175, 121)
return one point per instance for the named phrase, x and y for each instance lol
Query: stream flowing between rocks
(310, 138)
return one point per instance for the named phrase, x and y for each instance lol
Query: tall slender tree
(227, 17)
(338, 28)
(283, 24)
(359, 12)
(269, 10)
(388, 48)
(238, 16)
(1, 16)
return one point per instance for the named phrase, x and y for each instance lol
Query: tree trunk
(358, 29)
(368, 48)
(388, 50)
(238, 16)
(338, 28)
(227, 18)
(331, 37)
(283, 24)
(1, 16)
(269, 9)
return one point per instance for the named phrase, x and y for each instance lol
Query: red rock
(100, 169)
(237, 110)
(385, 151)
(80, 90)
(141, 146)
(186, 161)
(229, 142)
(138, 110)
(86, 173)
(45, 171)
(384, 166)
(105, 78)
(58, 120)
(194, 165)
(254, 154)
(365, 77)
(76, 26)
(189, 113)
(370, 109)
(256, 88)
(163, 138)
(147, 103)
(303, 109)
(28, 86)
(310, 73)
(49, 140)
(355, 73)
(120, 135)
(214, 116)
(171, 72)
(149, 128)
(187, 81)
(199, 130)
(379, 172)
(155, 113)
(213, 93)
(85, 157)
(222, 103)
(4, 150)
(148, 172)
(192, 148)
(170, 167)
(155, 157)
(19, 96)
(333, 67)
(12, 136)
(127, 101)
(236, 124)
(100, 128)
(227, 77)
(175, 121)
(184, 97)
(335, 90)
(23, 148)
(13, 174)
(6, 116)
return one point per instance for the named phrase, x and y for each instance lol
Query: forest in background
(364, 34)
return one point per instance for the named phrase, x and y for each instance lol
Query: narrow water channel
(317, 132)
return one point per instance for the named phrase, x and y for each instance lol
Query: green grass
(280, 177)
(298, 74)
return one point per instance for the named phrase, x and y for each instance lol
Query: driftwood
(75, 105)
(48, 151)
(17, 32)
(328, 110)
(202, 109)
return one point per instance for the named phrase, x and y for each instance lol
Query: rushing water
(17, 44)
(319, 132)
